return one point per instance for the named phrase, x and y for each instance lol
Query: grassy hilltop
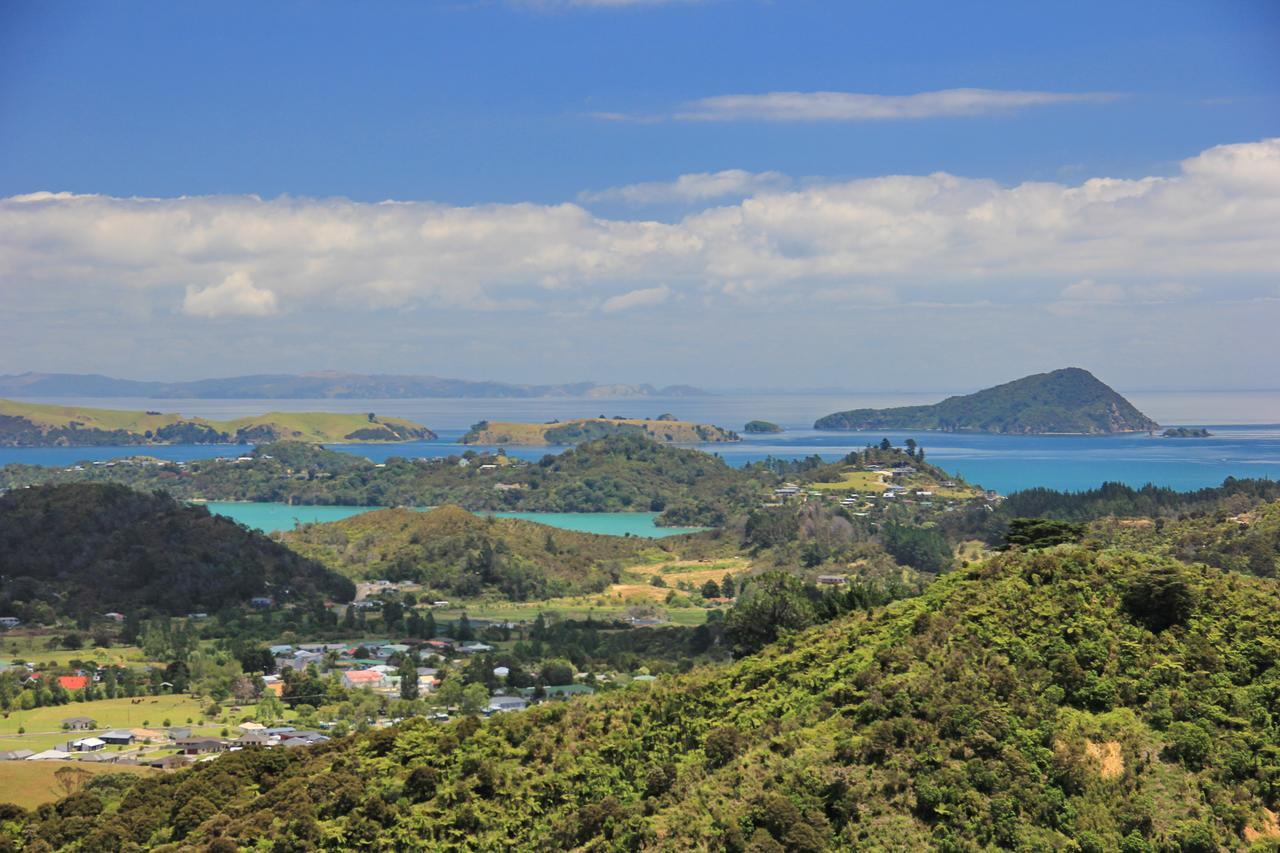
(39, 425)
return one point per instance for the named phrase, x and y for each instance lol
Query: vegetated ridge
(85, 549)
(1067, 401)
(38, 425)
(455, 552)
(761, 427)
(617, 474)
(323, 385)
(588, 429)
(1065, 698)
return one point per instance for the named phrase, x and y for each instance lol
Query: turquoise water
(271, 517)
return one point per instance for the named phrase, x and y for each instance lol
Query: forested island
(1067, 401)
(37, 425)
(1186, 432)
(761, 427)
(663, 428)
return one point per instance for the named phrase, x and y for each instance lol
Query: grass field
(853, 481)
(27, 647)
(329, 427)
(32, 783)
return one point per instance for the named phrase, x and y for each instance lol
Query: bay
(1246, 440)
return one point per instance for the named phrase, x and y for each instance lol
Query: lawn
(35, 648)
(853, 481)
(32, 783)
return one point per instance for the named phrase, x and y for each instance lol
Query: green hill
(86, 549)
(1070, 400)
(1054, 700)
(616, 474)
(38, 425)
(455, 552)
(589, 429)
(761, 427)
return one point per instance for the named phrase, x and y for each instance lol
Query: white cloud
(938, 239)
(642, 298)
(700, 186)
(235, 296)
(859, 106)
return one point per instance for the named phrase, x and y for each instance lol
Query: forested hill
(1064, 699)
(1070, 400)
(91, 548)
(666, 429)
(457, 553)
(620, 473)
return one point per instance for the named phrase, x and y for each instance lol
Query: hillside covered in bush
(90, 548)
(1066, 698)
(455, 552)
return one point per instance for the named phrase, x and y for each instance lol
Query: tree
(464, 628)
(922, 548)
(270, 708)
(710, 589)
(408, 677)
(475, 698)
(727, 588)
(71, 779)
(886, 444)
(1041, 533)
(558, 671)
(911, 447)
(767, 605)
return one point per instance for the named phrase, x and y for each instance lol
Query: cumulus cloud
(936, 239)
(859, 106)
(636, 299)
(235, 296)
(699, 186)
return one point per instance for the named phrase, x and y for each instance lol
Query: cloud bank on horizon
(1204, 237)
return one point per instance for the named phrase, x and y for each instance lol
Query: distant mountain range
(314, 386)
(1067, 401)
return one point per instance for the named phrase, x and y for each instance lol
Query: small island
(1071, 401)
(761, 427)
(36, 425)
(1186, 432)
(590, 429)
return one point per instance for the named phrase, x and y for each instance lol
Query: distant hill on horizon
(1067, 401)
(42, 425)
(321, 385)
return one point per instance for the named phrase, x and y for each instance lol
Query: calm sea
(1246, 440)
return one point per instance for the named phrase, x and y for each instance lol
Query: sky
(854, 194)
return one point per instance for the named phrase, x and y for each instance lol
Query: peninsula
(1068, 401)
(36, 425)
(588, 429)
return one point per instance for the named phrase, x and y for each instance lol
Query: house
(254, 740)
(262, 601)
(200, 745)
(50, 755)
(359, 678)
(79, 724)
(88, 744)
(113, 616)
(283, 649)
(475, 648)
(501, 672)
(176, 732)
(168, 762)
(500, 704)
(118, 737)
(10, 621)
(16, 755)
(391, 649)
(73, 682)
(832, 580)
(561, 691)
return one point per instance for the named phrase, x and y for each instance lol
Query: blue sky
(569, 122)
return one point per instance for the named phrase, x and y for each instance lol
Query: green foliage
(90, 548)
(924, 549)
(1070, 400)
(768, 605)
(1041, 533)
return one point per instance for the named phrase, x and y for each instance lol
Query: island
(589, 429)
(38, 425)
(1186, 432)
(758, 427)
(318, 385)
(1070, 401)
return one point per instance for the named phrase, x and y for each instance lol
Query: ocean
(1245, 440)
